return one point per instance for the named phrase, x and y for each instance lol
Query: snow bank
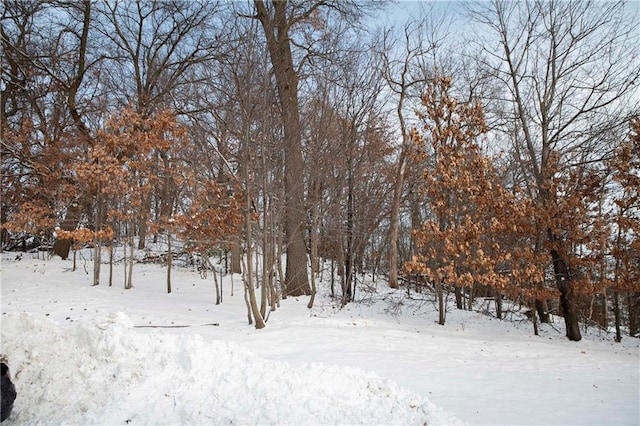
(108, 372)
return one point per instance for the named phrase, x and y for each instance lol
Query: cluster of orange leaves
(34, 218)
(116, 172)
(84, 235)
(214, 216)
(478, 231)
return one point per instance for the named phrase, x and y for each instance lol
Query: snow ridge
(110, 373)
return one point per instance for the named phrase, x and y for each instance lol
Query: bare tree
(276, 25)
(406, 72)
(280, 20)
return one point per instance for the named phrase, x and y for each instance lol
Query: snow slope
(79, 355)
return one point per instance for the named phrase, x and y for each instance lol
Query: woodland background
(482, 149)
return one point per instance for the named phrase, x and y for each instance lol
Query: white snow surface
(78, 355)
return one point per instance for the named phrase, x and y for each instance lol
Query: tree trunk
(169, 261)
(472, 296)
(110, 264)
(96, 263)
(217, 287)
(348, 261)
(249, 288)
(236, 258)
(124, 261)
(129, 282)
(567, 298)
(441, 307)
(248, 281)
(534, 320)
(616, 314)
(207, 264)
(498, 299)
(142, 222)
(276, 28)
(633, 308)
(543, 311)
(61, 247)
(458, 291)
(315, 262)
(267, 261)
(395, 217)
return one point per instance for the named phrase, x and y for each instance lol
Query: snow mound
(109, 372)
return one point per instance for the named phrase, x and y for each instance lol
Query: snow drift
(111, 373)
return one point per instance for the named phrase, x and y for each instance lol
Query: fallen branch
(215, 324)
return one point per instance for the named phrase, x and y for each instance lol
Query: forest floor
(82, 354)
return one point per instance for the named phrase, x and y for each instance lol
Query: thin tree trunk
(263, 287)
(393, 225)
(267, 262)
(217, 287)
(498, 299)
(534, 319)
(248, 271)
(349, 261)
(215, 280)
(142, 223)
(313, 291)
(124, 260)
(250, 288)
(247, 302)
(441, 307)
(111, 264)
(129, 283)
(315, 262)
(96, 263)
(97, 260)
(633, 308)
(616, 315)
(333, 278)
(279, 264)
(169, 261)
(604, 313)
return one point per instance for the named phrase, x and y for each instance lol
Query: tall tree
(276, 25)
(567, 70)
(406, 72)
(288, 24)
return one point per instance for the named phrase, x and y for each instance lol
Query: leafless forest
(490, 150)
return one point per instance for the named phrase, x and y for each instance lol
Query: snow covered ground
(78, 355)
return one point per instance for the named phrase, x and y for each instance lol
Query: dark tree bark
(458, 292)
(633, 299)
(543, 311)
(616, 315)
(62, 247)
(276, 28)
(567, 298)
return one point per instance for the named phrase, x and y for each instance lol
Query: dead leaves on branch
(476, 227)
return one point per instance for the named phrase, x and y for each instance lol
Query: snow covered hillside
(86, 355)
